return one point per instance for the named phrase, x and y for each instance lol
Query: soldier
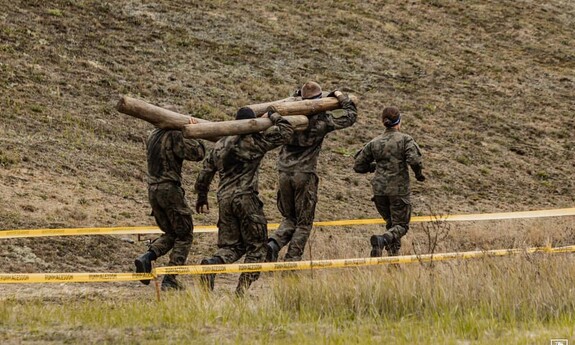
(389, 155)
(298, 181)
(242, 225)
(166, 151)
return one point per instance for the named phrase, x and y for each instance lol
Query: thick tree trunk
(308, 107)
(157, 116)
(262, 108)
(236, 127)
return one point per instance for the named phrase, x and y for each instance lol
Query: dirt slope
(486, 88)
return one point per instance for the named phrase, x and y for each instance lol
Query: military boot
(273, 251)
(378, 243)
(393, 248)
(207, 281)
(144, 264)
(246, 279)
(171, 283)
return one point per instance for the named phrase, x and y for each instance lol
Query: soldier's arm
(413, 158)
(207, 174)
(277, 135)
(364, 161)
(194, 150)
(350, 113)
(203, 182)
(187, 149)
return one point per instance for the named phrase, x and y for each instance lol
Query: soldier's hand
(193, 120)
(202, 205)
(341, 97)
(275, 117)
(372, 167)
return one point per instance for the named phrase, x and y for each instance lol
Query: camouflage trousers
(296, 199)
(396, 211)
(174, 217)
(242, 229)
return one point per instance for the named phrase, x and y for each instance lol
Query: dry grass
(526, 299)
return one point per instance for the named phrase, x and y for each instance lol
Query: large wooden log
(236, 127)
(261, 108)
(308, 107)
(157, 116)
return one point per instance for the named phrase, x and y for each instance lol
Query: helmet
(310, 90)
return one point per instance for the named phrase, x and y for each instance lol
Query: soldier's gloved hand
(275, 117)
(201, 202)
(372, 167)
(420, 177)
(296, 93)
(341, 97)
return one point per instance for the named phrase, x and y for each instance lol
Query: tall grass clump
(510, 290)
(515, 300)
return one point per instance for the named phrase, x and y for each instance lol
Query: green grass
(518, 300)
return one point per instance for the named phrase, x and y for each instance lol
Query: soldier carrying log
(298, 181)
(242, 225)
(166, 151)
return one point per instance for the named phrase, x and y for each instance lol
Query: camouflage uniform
(167, 149)
(298, 181)
(392, 152)
(242, 225)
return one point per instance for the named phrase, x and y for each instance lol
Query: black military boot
(273, 251)
(378, 243)
(207, 281)
(144, 264)
(246, 279)
(171, 283)
(393, 248)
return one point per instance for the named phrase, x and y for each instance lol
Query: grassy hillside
(486, 88)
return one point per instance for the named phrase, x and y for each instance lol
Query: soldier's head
(310, 90)
(391, 117)
(245, 113)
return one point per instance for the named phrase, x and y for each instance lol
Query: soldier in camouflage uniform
(298, 181)
(242, 225)
(389, 156)
(166, 151)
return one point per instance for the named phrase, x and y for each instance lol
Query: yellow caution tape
(342, 263)
(270, 266)
(71, 277)
(274, 226)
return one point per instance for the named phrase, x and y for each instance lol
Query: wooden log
(157, 116)
(261, 108)
(308, 107)
(236, 127)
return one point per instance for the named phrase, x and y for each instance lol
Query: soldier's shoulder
(378, 138)
(407, 137)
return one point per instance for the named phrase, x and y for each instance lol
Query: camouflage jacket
(392, 152)
(167, 150)
(301, 153)
(237, 159)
